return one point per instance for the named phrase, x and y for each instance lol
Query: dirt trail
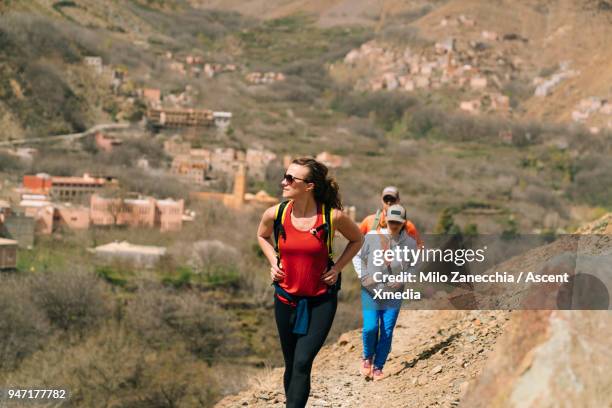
(434, 355)
(438, 356)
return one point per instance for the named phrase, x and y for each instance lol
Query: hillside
(46, 87)
(491, 169)
(576, 32)
(328, 13)
(523, 60)
(451, 358)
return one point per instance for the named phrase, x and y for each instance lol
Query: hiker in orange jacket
(389, 196)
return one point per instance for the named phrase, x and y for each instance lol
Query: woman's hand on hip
(276, 273)
(331, 276)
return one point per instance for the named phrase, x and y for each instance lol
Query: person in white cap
(390, 195)
(380, 315)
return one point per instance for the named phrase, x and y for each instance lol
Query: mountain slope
(577, 32)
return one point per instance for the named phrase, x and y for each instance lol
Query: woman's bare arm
(351, 232)
(264, 234)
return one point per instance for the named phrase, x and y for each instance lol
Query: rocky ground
(435, 354)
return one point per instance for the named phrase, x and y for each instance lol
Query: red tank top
(303, 257)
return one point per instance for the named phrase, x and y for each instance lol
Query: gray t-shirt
(364, 261)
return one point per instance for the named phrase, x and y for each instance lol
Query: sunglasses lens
(289, 178)
(389, 199)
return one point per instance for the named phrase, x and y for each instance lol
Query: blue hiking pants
(378, 324)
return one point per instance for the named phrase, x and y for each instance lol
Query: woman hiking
(305, 277)
(380, 316)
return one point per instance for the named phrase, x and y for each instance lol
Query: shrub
(55, 163)
(128, 153)
(387, 107)
(23, 327)
(113, 367)
(72, 300)
(140, 181)
(164, 316)
(34, 37)
(294, 90)
(8, 162)
(590, 186)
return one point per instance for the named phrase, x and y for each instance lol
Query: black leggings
(300, 351)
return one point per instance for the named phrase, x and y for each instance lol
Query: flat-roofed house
(19, 227)
(76, 188)
(71, 216)
(148, 212)
(141, 255)
(8, 253)
(38, 207)
(170, 214)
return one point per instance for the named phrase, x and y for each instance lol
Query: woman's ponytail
(326, 188)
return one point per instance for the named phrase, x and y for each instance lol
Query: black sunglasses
(290, 179)
(388, 199)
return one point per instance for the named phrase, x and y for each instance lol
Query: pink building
(137, 212)
(71, 217)
(66, 188)
(169, 214)
(152, 95)
(192, 169)
(106, 143)
(38, 206)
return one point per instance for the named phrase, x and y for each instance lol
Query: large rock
(548, 359)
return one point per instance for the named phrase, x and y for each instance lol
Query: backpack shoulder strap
(279, 230)
(328, 222)
(376, 221)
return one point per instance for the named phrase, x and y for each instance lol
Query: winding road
(68, 137)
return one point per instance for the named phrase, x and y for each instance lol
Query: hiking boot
(377, 374)
(366, 367)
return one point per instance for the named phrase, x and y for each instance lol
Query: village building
(152, 96)
(472, 106)
(25, 154)
(95, 63)
(66, 188)
(261, 197)
(117, 79)
(225, 160)
(8, 253)
(106, 143)
(37, 184)
(238, 198)
(177, 118)
(258, 78)
(257, 161)
(191, 169)
(40, 209)
(169, 214)
(5, 210)
(478, 82)
(174, 146)
(139, 255)
(222, 119)
(73, 217)
(77, 188)
(20, 228)
(144, 212)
